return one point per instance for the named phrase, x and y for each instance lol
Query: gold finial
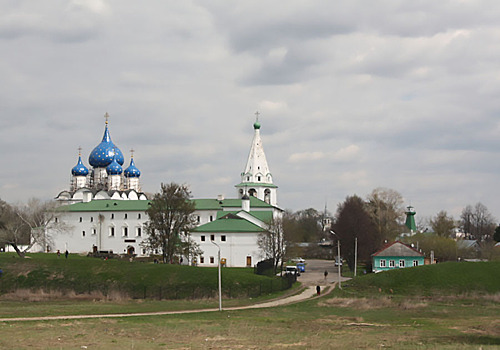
(132, 153)
(106, 116)
(79, 151)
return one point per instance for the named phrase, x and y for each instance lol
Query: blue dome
(104, 153)
(79, 169)
(132, 170)
(114, 168)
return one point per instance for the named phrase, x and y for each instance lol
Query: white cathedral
(105, 210)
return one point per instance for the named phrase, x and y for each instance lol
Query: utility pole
(220, 284)
(355, 255)
(339, 261)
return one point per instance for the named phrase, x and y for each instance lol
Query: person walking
(66, 254)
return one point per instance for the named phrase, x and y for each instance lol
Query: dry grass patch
(51, 295)
(375, 303)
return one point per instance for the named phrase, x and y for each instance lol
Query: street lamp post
(218, 266)
(355, 255)
(338, 254)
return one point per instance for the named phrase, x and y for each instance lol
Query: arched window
(252, 192)
(267, 196)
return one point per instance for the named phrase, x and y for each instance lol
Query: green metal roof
(215, 204)
(107, 205)
(264, 216)
(143, 205)
(230, 223)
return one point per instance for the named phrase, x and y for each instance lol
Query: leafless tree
(273, 243)
(478, 222)
(29, 224)
(385, 207)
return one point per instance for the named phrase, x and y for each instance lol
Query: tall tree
(478, 221)
(442, 224)
(27, 224)
(170, 220)
(387, 211)
(353, 221)
(273, 243)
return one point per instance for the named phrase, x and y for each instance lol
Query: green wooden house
(396, 255)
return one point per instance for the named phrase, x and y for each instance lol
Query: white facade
(107, 212)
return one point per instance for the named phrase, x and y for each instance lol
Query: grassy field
(357, 317)
(121, 279)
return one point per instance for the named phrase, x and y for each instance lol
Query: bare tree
(273, 243)
(28, 224)
(442, 224)
(478, 222)
(170, 220)
(386, 209)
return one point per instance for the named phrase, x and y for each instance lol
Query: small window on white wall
(125, 231)
(112, 231)
(138, 232)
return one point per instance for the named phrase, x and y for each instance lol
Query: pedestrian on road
(326, 274)
(66, 254)
(318, 290)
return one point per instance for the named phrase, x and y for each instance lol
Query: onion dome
(132, 170)
(79, 169)
(114, 168)
(104, 153)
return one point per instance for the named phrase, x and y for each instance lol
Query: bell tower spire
(256, 179)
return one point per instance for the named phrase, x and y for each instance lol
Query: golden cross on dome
(132, 153)
(80, 151)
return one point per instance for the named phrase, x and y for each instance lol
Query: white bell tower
(257, 180)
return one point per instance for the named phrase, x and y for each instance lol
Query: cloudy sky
(353, 95)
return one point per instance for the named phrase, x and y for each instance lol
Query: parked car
(298, 260)
(293, 270)
(301, 267)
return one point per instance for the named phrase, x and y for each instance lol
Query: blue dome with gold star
(132, 170)
(104, 153)
(79, 169)
(114, 168)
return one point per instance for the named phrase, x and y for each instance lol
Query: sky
(352, 96)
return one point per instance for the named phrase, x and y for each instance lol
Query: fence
(159, 292)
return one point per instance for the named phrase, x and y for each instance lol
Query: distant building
(396, 255)
(106, 210)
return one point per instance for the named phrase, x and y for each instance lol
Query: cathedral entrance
(130, 250)
(249, 261)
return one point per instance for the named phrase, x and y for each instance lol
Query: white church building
(105, 210)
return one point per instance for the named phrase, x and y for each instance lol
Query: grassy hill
(80, 275)
(445, 278)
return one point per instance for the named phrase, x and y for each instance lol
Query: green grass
(449, 278)
(135, 279)
(442, 315)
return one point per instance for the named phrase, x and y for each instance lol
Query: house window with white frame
(392, 263)
(212, 260)
(415, 262)
(401, 263)
(382, 263)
